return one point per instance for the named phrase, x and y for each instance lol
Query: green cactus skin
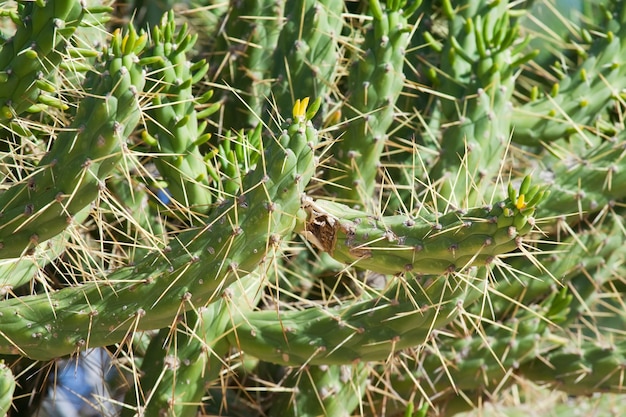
(34, 52)
(249, 35)
(15, 272)
(68, 178)
(479, 72)
(172, 121)
(375, 84)
(469, 360)
(369, 330)
(426, 243)
(586, 183)
(334, 390)
(177, 368)
(578, 98)
(192, 270)
(7, 387)
(581, 369)
(307, 52)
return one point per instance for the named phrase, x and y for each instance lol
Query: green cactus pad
(7, 387)
(70, 175)
(369, 330)
(172, 118)
(424, 244)
(192, 270)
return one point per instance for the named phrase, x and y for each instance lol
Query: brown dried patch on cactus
(320, 227)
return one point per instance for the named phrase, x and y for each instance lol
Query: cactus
(369, 330)
(577, 98)
(68, 177)
(306, 55)
(7, 387)
(580, 370)
(56, 329)
(172, 122)
(426, 244)
(440, 221)
(481, 60)
(248, 34)
(188, 363)
(375, 84)
(323, 390)
(30, 57)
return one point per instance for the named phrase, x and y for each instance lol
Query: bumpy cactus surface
(310, 207)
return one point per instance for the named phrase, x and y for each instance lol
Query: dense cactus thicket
(309, 207)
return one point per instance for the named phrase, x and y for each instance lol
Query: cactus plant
(310, 207)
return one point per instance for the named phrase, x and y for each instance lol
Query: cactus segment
(307, 52)
(249, 34)
(579, 97)
(375, 84)
(172, 120)
(480, 77)
(177, 368)
(580, 369)
(370, 330)
(194, 268)
(69, 176)
(334, 390)
(425, 244)
(34, 51)
(7, 387)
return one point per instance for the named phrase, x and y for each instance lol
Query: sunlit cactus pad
(310, 207)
